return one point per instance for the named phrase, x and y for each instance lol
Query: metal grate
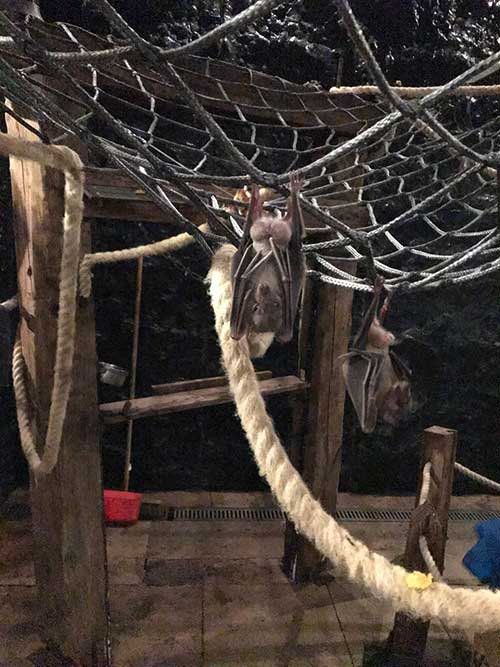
(226, 514)
(346, 515)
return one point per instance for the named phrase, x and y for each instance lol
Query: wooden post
(320, 457)
(67, 505)
(133, 370)
(406, 644)
(486, 650)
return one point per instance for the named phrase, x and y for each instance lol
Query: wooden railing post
(406, 644)
(320, 419)
(67, 504)
(486, 650)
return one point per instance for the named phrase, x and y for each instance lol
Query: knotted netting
(406, 188)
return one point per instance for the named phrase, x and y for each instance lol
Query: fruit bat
(376, 379)
(21, 7)
(268, 269)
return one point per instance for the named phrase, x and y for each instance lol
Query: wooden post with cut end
(486, 650)
(67, 504)
(320, 457)
(406, 644)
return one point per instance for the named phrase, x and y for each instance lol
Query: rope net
(413, 192)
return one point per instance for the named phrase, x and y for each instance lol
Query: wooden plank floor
(211, 594)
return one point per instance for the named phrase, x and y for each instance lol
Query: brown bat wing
(240, 263)
(293, 267)
(400, 368)
(286, 263)
(363, 373)
(242, 290)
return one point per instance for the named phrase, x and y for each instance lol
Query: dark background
(455, 344)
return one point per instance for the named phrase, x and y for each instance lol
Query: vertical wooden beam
(133, 370)
(486, 650)
(321, 453)
(406, 644)
(67, 505)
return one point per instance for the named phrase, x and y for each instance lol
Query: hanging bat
(21, 7)
(376, 379)
(268, 269)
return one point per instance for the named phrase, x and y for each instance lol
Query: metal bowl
(111, 374)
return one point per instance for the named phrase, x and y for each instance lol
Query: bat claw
(296, 182)
(379, 284)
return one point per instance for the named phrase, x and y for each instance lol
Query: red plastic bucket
(121, 506)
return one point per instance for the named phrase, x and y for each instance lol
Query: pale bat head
(267, 309)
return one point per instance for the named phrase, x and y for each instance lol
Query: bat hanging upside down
(377, 381)
(268, 269)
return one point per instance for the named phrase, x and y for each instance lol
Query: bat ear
(256, 204)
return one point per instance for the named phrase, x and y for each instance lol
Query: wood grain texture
(408, 639)
(201, 383)
(70, 562)
(325, 340)
(155, 406)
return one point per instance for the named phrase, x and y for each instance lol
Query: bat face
(268, 270)
(377, 381)
(267, 310)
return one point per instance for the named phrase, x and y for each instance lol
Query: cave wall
(454, 341)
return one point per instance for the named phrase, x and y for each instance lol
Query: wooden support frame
(318, 424)
(190, 399)
(201, 383)
(67, 504)
(406, 644)
(486, 650)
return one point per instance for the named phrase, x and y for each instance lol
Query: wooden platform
(184, 398)
(211, 593)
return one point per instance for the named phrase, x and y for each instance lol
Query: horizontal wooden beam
(202, 383)
(156, 406)
(111, 195)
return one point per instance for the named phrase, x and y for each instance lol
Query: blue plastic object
(483, 560)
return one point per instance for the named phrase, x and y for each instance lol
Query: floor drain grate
(226, 514)
(275, 514)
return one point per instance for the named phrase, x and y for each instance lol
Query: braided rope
(426, 483)
(422, 540)
(229, 27)
(411, 111)
(495, 486)
(411, 92)
(150, 250)
(67, 161)
(473, 610)
(429, 558)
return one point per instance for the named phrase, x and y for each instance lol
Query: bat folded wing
(362, 373)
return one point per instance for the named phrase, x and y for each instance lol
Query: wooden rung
(155, 406)
(202, 383)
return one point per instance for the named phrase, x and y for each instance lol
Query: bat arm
(361, 338)
(255, 263)
(240, 330)
(385, 309)
(284, 268)
(293, 213)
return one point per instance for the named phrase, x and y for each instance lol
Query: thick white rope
(422, 540)
(477, 477)
(410, 92)
(429, 558)
(472, 610)
(152, 249)
(67, 161)
(426, 483)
